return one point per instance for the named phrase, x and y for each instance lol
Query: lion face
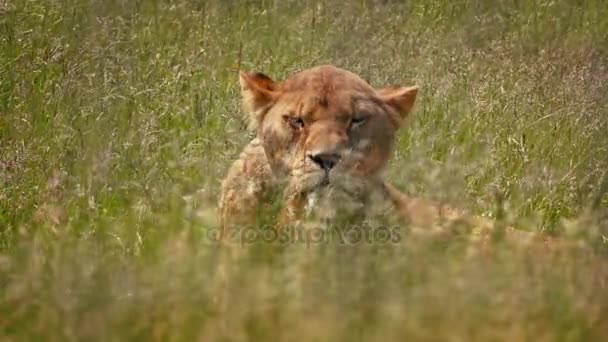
(324, 125)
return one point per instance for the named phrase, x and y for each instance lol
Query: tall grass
(111, 112)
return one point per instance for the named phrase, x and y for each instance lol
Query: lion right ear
(400, 98)
(258, 91)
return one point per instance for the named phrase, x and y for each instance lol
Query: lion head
(324, 125)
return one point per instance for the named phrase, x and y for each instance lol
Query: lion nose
(325, 160)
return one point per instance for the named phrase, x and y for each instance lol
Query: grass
(112, 111)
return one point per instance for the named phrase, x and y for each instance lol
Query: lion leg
(419, 211)
(243, 188)
(427, 213)
(292, 211)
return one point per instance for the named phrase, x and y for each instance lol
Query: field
(118, 120)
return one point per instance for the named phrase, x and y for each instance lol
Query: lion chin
(345, 198)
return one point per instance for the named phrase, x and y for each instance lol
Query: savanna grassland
(118, 120)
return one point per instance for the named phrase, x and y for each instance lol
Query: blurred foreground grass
(112, 111)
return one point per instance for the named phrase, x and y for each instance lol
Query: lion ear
(400, 98)
(258, 91)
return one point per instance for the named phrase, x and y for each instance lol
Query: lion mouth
(324, 180)
(320, 180)
(315, 180)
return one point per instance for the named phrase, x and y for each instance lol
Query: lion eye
(358, 121)
(295, 123)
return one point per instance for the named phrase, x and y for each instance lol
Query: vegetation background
(113, 111)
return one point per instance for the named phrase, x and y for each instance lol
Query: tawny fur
(325, 99)
(320, 109)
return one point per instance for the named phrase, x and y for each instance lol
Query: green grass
(112, 111)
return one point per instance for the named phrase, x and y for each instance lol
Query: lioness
(323, 137)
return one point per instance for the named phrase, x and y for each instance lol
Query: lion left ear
(258, 91)
(400, 98)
